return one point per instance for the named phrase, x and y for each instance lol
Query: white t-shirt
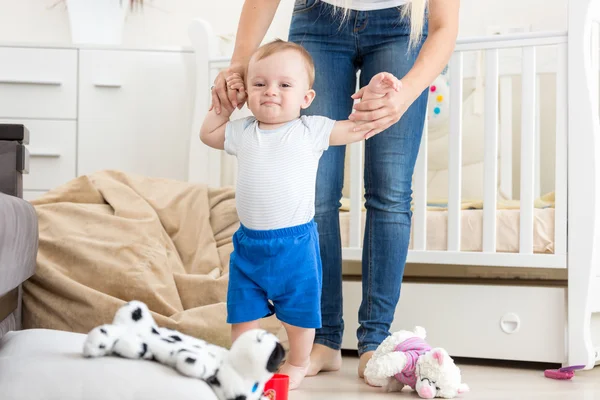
(367, 5)
(277, 170)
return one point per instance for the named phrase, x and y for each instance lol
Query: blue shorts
(283, 266)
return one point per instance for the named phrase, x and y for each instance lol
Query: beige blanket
(109, 238)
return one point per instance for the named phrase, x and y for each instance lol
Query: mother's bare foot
(323, 358)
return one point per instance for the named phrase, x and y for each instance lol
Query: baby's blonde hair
(277, 46)
(414, 8)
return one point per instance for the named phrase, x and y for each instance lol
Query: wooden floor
(487, 382)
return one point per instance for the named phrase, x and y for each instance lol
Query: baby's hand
(383, 83)
(236, 82)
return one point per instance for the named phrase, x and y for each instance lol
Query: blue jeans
(372, 42)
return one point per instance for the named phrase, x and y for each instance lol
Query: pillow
(48, 364)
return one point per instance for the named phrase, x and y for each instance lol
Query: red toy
(277, 387)
(562, 373)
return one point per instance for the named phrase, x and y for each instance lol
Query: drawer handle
(38, 82)
(108, 85)
(44, 153)
(510, 323)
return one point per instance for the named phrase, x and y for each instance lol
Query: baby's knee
(298, 330)
(240, 328)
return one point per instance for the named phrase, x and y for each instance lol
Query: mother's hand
(225, 97)
(379, 114)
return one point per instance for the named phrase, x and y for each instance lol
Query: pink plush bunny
(405, 359)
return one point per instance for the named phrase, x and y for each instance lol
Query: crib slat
(356, 185)
(490, 176)
(527, 150)
(595, 44)
(537, 144)
(420, 196)
(455, 151)
(506, 137)
(560, 205)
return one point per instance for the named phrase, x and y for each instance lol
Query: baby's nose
(271, 90)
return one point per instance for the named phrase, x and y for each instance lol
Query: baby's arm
(212, 132)
(345, 132)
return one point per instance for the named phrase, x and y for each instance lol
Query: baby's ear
(308, 98)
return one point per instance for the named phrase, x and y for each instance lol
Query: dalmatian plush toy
(236, 374)
(405, 359)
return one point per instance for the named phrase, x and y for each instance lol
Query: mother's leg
(389, 163)
(333, 52)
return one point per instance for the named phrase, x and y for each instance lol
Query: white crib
(544, 320)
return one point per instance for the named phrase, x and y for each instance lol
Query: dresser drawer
(38, 83)
(520, 323)
(52, 153)
(135, 110)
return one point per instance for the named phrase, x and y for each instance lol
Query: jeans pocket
(304, 5)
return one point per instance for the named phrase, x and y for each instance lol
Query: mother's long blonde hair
(415, 9)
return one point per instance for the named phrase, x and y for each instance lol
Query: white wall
(164, 22)
(161, 23)
(542, 15)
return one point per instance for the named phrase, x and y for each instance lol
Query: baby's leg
(298, 359)
(238, 329)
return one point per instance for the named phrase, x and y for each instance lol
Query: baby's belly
(268, 203)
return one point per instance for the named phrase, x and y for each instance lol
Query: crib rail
(528, 45)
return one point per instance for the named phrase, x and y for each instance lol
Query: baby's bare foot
(296, 373)
(323, 358)
(362, 363)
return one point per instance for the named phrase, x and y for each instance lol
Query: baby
(275, 267)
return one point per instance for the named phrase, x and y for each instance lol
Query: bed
(517, 190)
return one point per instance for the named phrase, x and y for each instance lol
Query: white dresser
(91, 108)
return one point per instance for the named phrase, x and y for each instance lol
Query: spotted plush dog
(236, 374)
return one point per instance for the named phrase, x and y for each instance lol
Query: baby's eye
(286, 85)
(259, 84)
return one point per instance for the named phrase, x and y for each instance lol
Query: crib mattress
(507, 230)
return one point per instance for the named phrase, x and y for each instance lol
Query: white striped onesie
(277, 170)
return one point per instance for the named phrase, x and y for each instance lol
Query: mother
(410, 39)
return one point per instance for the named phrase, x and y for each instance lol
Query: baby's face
(278, 87)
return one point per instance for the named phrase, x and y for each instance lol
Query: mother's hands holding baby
(224, 96)
(379, 114)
